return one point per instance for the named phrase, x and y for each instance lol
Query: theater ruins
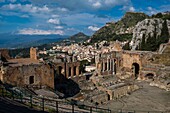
(114, 76)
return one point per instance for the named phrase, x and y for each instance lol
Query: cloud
(58, 27)
(62, 9)
(55, 16)
(93, 28)
(26, 8)
(24, 16)
(2, 0)
(91, 4)
(30, 31)
(12, 1)
(97, 5)
(151, 10)
(132, 9)
(128, 8)
(54, 21)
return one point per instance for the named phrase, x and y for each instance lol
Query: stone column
(110, 64)
(77, 70)
(107, 64)
(113, 67)
(103, 67)
(72, 71)
(67, 71)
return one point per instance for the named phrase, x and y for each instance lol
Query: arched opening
(149, 76)
(69, 74)
(135, 69)
(31, 80)
(108, 97)
(60, 68)
(74, 70)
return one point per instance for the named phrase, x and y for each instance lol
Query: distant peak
(80, 36)
(80, 33)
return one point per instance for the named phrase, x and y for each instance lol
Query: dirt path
(148, 98)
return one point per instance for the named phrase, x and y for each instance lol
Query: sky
(68, 17)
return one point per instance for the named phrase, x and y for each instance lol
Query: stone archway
(135, 69)
(108, 97)
(149, 76)
(60, 69)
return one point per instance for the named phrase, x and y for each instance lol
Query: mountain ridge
(123, 29)
(21, 41)
(123, 26)
(79, 37)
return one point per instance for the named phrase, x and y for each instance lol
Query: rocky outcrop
(149, 34)
(120, 30)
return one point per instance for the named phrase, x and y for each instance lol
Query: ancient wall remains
(108, 63)
(122, 91)
(117, 46)
(33, 53)
(99, 98)
(130, 58)
(29, 75)
(68, 69)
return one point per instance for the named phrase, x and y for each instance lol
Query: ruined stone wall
(108, 63)
(68, 69)
(130, 58)
(122, 91)
(117, 46)
(79, 79)
(42, 75)
(100, 98)
(33, 53)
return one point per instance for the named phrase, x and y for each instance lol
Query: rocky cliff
(120, 30)
(140, 31)
(149, 34)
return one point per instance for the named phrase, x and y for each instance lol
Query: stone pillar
(103, 68)
(67, 71)
(77, 70)
(107, 64)
(33, 53)
(110, 64)
(72, 71)
(113, 66)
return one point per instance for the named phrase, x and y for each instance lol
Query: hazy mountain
(79, 37)
(20, 41)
